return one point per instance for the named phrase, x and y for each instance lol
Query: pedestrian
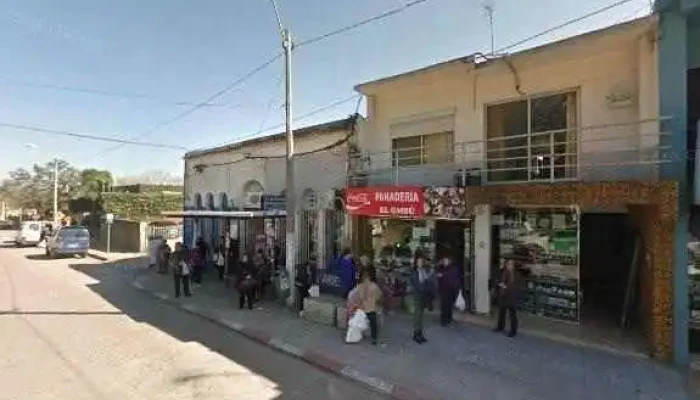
(220, 261)
(448, 277)
(246, 282)
(422, 282)
(370, 297)
(302, 284)
(163, 257)
(199, 259)
(347, 272)
(508, 294)
(181, 271)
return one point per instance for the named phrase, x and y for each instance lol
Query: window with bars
(532, 139)
(434, 148)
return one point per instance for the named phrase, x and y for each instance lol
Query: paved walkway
(456, 363)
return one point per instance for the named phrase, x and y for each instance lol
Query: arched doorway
(308, 225)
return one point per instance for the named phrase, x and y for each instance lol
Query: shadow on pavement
(36, 257)
(141, 307)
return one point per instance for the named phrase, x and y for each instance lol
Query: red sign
(388, 201)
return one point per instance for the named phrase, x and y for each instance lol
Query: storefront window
(545, 244)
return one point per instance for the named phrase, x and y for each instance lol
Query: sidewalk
(110, 257)
(456, 363)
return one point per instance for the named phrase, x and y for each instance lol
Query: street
(69, 334)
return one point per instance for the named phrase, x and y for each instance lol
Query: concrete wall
(619, 61)
(126, 237)
(318, 171)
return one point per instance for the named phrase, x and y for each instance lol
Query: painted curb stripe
(286, 347)
(376, 383)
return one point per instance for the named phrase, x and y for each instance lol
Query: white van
(29, 233)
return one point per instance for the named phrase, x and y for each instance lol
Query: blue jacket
(347, 273)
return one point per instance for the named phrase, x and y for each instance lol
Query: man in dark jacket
(508, 297)
(449, 283)
(181, 273)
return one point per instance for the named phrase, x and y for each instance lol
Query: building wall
(229, 171)
(619, 62)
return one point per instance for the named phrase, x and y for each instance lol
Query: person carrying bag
(181, 271)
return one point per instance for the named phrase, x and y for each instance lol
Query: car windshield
(74, 233)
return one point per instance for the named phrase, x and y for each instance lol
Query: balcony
(612, 152)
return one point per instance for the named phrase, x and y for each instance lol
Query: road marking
(376, 383)
(191, 308)
(161, 296)
(138, 285)
(285, 347)
(236, 326)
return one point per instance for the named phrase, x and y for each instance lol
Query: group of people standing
(443, 281)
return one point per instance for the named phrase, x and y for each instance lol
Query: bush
(141, 205)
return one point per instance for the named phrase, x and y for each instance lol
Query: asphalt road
(74, 329)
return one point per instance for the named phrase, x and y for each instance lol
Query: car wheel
(82, 255)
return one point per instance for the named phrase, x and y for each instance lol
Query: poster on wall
(390, 201)
(445, 202)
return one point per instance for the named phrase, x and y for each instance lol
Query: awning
(226, 214)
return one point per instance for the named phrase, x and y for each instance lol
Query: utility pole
(55, 192)
(290, 191)
(488, 9)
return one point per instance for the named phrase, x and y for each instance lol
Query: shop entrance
(608, 278)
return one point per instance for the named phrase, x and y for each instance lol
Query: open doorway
(607, 253)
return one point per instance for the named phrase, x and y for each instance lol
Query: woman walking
(448, 288)
(370, 297)
(423, 288)
(508, 296)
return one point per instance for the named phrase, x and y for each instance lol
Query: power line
(562, 25)
(197, 106)
(105, 93)
(270, 103)
(87, 136)
(297, 119)
(305, 42)
(363, 22)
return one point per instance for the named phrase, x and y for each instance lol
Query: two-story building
(557, 156)
(238, 190)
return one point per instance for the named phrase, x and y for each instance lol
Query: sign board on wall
(388, 201)
(273, 202)
(445, 202)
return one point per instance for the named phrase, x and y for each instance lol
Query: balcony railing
(611, 152)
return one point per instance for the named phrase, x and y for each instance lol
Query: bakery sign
(386, 201)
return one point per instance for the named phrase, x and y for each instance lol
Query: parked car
(68, 241)
(29, 233)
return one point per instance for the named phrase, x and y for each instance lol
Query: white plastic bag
(314, 291)
(359, 321)
(353, 335)
(184, 268)
(460, 304)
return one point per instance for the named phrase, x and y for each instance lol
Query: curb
(97, 256)
(312, 357)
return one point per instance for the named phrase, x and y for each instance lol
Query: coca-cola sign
(389, 201)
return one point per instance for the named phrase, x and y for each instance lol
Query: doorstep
(566, 332)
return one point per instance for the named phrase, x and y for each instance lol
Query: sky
(136, 64)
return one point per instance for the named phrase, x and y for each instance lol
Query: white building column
(322, 253)
(482, 259)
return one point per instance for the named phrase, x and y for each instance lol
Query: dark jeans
(302, 293)
(182, 280)
(447, 301)
(197, 274)
(247, 296)
(502, 319)
(373, 325)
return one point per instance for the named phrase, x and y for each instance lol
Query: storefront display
(545, 243)
(694, 282)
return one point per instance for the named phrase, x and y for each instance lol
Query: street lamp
(34, 146)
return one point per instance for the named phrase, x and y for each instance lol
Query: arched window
(210, 201)
(197, 201)
(223, 201)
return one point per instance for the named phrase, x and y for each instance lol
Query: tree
(94, 182)
(33, 189)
